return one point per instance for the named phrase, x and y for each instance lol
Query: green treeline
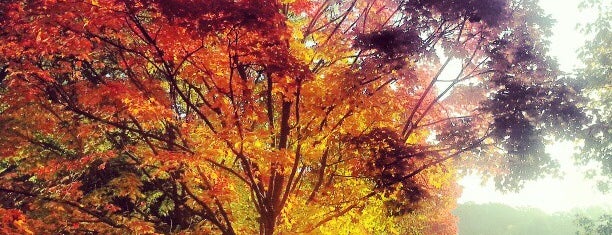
(500, 219)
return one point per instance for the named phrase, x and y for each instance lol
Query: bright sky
(550, 194)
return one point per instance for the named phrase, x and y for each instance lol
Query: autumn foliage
(270, 117)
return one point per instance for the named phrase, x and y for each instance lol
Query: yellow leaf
(258, 144)
(20, 224)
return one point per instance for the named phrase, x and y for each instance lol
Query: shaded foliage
(391, 43)
(391, 161)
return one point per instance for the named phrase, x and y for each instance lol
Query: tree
(495, 218)
(264, 116)
(595, 79)
(594, 226)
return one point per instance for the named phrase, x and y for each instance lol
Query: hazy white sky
(550, 194)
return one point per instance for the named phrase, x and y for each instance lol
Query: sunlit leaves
(595, 78)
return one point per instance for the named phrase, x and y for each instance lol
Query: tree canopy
(264, 116)
(594, 79)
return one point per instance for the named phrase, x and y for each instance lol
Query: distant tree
(596, 80)
(596, 84)
(500, 219)
(601, 225)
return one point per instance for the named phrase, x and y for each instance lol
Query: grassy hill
(500, 219)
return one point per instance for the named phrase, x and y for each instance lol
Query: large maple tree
(262, 116)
